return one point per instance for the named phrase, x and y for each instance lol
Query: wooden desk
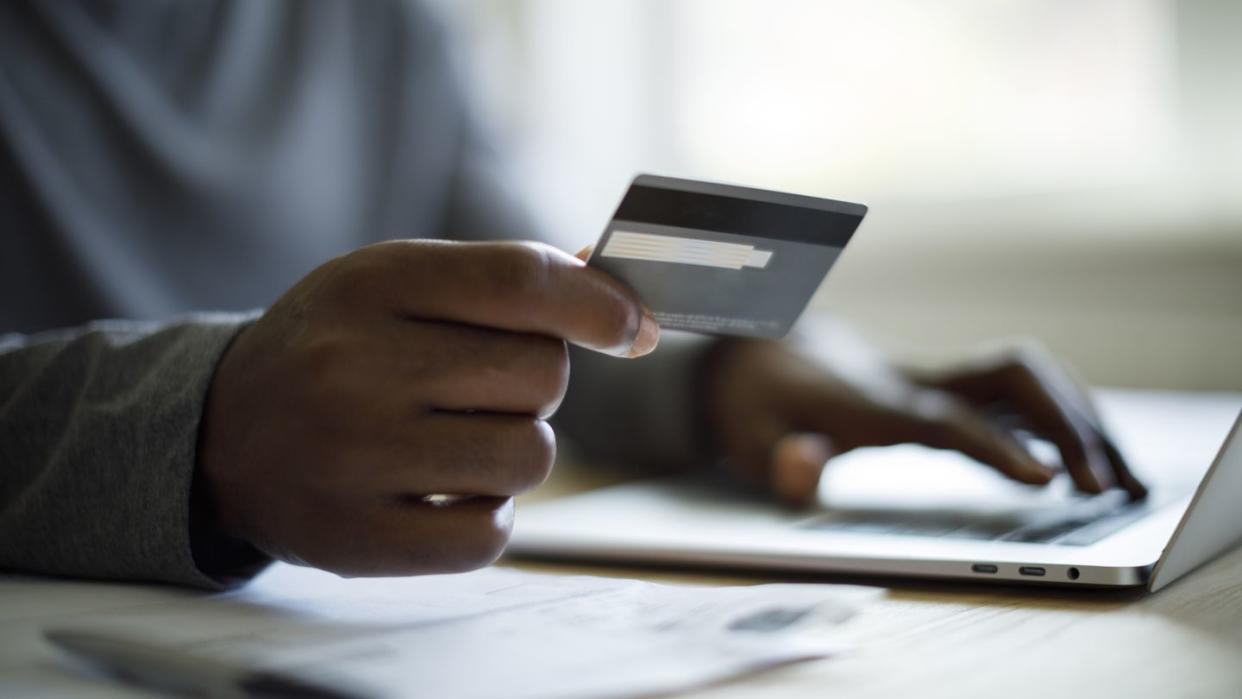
(930, 640)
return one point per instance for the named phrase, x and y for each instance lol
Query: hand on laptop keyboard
(777, 414)
(1029, 391)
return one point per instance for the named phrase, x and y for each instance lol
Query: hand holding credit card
(721, 259)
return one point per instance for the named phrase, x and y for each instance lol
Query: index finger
(936, 420)
(520, 287)
(1050, 402)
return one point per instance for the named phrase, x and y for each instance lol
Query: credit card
(720, 259)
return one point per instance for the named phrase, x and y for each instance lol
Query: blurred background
(1066, 170)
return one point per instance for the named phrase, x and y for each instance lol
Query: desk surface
(921, 639)
(932, 640)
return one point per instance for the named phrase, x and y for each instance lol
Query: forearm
(98, 432)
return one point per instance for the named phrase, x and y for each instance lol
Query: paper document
(494, 632)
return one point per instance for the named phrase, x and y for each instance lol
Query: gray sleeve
(98, 431)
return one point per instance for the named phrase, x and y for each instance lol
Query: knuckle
(481, 542)
(536, 445)
(1015, 370)
(323, 365)
(942, 424)
(357, 278)
(551, 375)
(322, 353)
(1027, 362)
(526, 371)
(930, 405)
(523, 268)
(517, 457)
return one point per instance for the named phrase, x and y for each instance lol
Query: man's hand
(397, 372)
(778, 415)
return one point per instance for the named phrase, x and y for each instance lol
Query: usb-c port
(1032, 570)
(983, 568)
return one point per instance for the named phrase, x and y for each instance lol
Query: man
(164, 157)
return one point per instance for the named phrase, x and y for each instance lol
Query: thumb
(797, 464)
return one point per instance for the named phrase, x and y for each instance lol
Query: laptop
(913, 511)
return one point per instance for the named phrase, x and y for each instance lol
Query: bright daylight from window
(1059, 170)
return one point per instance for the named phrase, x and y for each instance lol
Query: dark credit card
(720, 259)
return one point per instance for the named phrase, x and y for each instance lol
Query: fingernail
(1137, 490)
(1132, 485)
(647, 338)
(585, 253)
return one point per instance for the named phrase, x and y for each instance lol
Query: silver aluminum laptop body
(911, 511)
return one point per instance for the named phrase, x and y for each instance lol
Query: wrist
(218, 547)
(218, 554)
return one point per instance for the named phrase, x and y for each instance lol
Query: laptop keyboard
(1078, 524)
(1080, 532)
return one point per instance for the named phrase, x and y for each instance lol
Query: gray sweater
(165, 158)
